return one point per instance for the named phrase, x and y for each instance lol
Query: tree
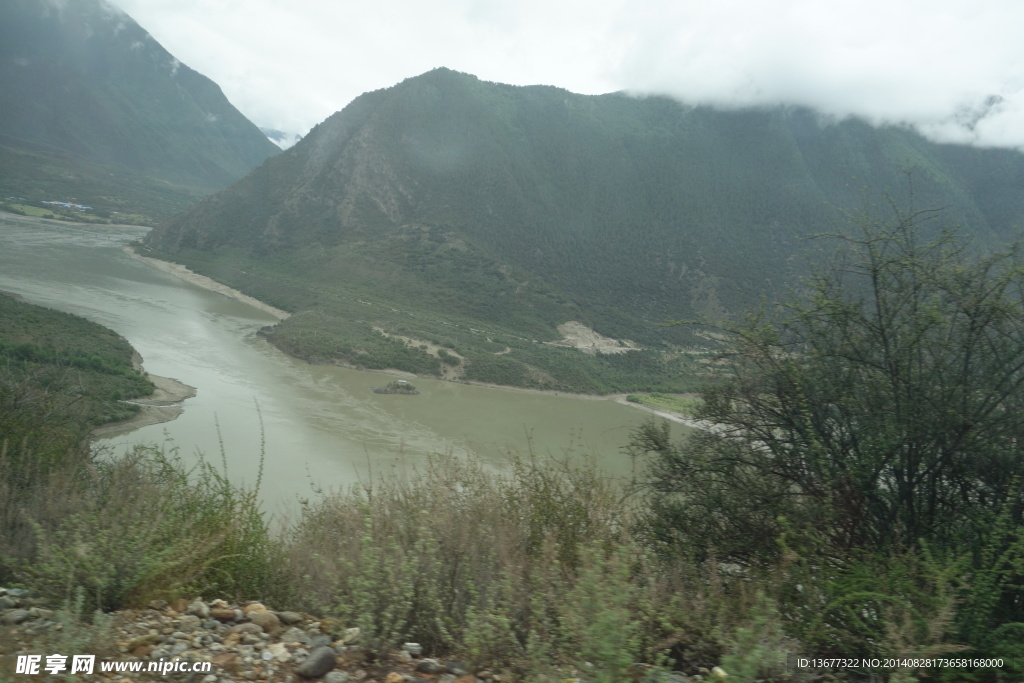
(879, 414)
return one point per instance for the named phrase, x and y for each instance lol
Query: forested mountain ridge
(93, 107)
(515, 209)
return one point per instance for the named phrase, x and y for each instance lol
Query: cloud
(288, 64)
(932, 65)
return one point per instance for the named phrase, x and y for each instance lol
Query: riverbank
(163, 405)
(205, 282)
(183, 273)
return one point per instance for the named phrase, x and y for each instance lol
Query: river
(319, 427)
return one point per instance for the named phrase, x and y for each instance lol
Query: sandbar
(180, 271)
(163, 405)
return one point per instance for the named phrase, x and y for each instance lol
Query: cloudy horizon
(952, 69)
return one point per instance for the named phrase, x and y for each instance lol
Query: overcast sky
(953, 68)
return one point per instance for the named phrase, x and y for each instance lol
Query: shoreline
(183, 273)
(678, 418)
(55, 222)
(163, 405)
(208, 283)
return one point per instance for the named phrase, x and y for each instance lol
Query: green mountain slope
(445, 205)
(86, 95)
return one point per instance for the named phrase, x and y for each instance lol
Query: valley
(481, 217)
(319, 425)
(560, 386)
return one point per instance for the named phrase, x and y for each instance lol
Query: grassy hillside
(482, 216)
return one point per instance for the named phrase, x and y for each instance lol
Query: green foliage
(871, 426)
(528, 570)
(143, 525)
(603, 625)
(78, 633)
(119, 528)
(53, 362)
(680, 404)
(760, 649)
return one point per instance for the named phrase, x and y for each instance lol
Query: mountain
(280, 138)
(482, 216)
(91, 103)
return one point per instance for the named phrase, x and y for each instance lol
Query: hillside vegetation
(482, 216)
(863, 503)
(62, 364)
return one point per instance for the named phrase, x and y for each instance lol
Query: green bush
(136, 526)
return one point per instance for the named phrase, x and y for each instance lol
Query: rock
(189, 623)
(254, 607)
(142, 651)
(8, 602)
(247, 627)
(332, 627)
(224, 614)
(352, 636)
(279, 652)
(319, 662)
(14, 616)
(199, 608)
(289, 618)
(456, 669)
(160, 653)
(268, 621)
(295, 635)
(429, 666)
(158, 605)
(227, 661)
(336, 677)
(394, 677)
(179, 605)
(142, 641)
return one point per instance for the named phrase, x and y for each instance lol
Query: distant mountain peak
(82, 80)
(280, 138)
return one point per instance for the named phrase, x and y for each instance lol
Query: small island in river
(399, 386)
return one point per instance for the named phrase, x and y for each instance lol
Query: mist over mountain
(87, 95)
(517, 209)
(280, 138)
